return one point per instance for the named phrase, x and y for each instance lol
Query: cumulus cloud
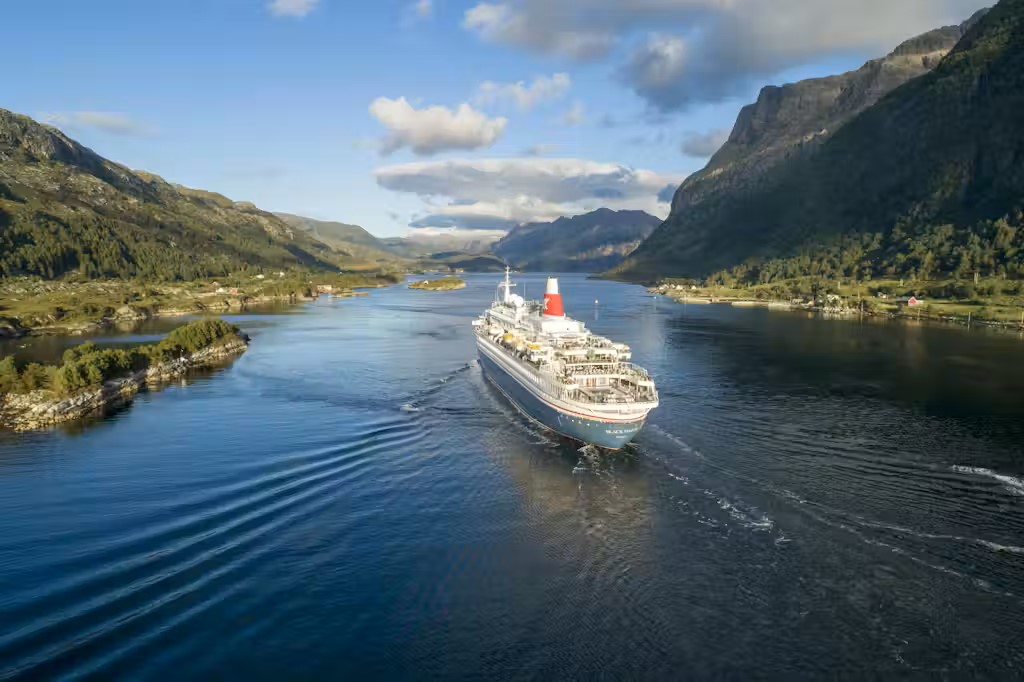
(656, 68)
(667, 193)
(709, 49)
(500, 22)
(470, 240)
(464, 221)
(703, 145)
(434, 129)
(109, 122)
(292, 8)
(524, 95)
(501, 193)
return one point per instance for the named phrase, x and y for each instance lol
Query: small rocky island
(444, 284)
(91, 379)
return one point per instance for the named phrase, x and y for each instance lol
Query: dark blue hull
(603, 434)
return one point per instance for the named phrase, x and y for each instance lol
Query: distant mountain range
(421, 245)
(351, 240)
(592, 242)
(862, 174)
(66, 210)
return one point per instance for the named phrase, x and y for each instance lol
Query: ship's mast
(507, 286)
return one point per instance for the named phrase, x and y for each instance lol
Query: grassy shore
(29, 305)
(989, 301)
(444, 284)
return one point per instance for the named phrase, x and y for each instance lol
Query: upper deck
(576, 364)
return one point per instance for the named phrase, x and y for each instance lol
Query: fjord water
(814, 498)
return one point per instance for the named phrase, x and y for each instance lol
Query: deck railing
(564, 388)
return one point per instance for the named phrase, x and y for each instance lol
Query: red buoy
(553, 300)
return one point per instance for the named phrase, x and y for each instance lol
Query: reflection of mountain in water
(933, 370)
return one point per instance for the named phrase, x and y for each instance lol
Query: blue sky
(271, 103)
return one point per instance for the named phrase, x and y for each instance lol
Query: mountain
(64, 209)
(468, 262)
(423, 245)
(328, 231)
(715, 224)
(351, 240)
(592, 242)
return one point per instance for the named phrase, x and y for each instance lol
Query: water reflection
(937, 371)
(49, 348)
(557, 476)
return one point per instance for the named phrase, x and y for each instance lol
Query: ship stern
(607, 435)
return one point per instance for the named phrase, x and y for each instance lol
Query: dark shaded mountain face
(592, 242)
(467, 262)
(64, 209)
(715, 221)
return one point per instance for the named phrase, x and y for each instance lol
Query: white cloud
(710, 49)
(423, 8)
(434, 129)
(657, 66)
(499, 22)
(292, 8)
(524, 95)
(449, 236)
(575, 115)
(107, 121)
(501, 193)
(703, 145)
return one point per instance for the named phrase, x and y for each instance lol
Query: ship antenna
(507, 284)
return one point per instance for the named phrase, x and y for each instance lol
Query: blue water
(350, 500)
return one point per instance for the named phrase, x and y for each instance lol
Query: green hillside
(65, 210)
(352, 241)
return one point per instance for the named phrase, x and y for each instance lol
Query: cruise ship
(558, 373)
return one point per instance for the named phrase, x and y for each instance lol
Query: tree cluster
(88, 366)
(990, 249)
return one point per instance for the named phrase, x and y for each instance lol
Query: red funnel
(553, 300)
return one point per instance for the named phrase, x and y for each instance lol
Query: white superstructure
(556, 358)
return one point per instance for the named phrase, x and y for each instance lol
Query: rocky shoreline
(41, 409)
(129, 314)
(45, 308)
(834, 310)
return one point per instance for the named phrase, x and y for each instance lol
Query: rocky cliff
(786, 126)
